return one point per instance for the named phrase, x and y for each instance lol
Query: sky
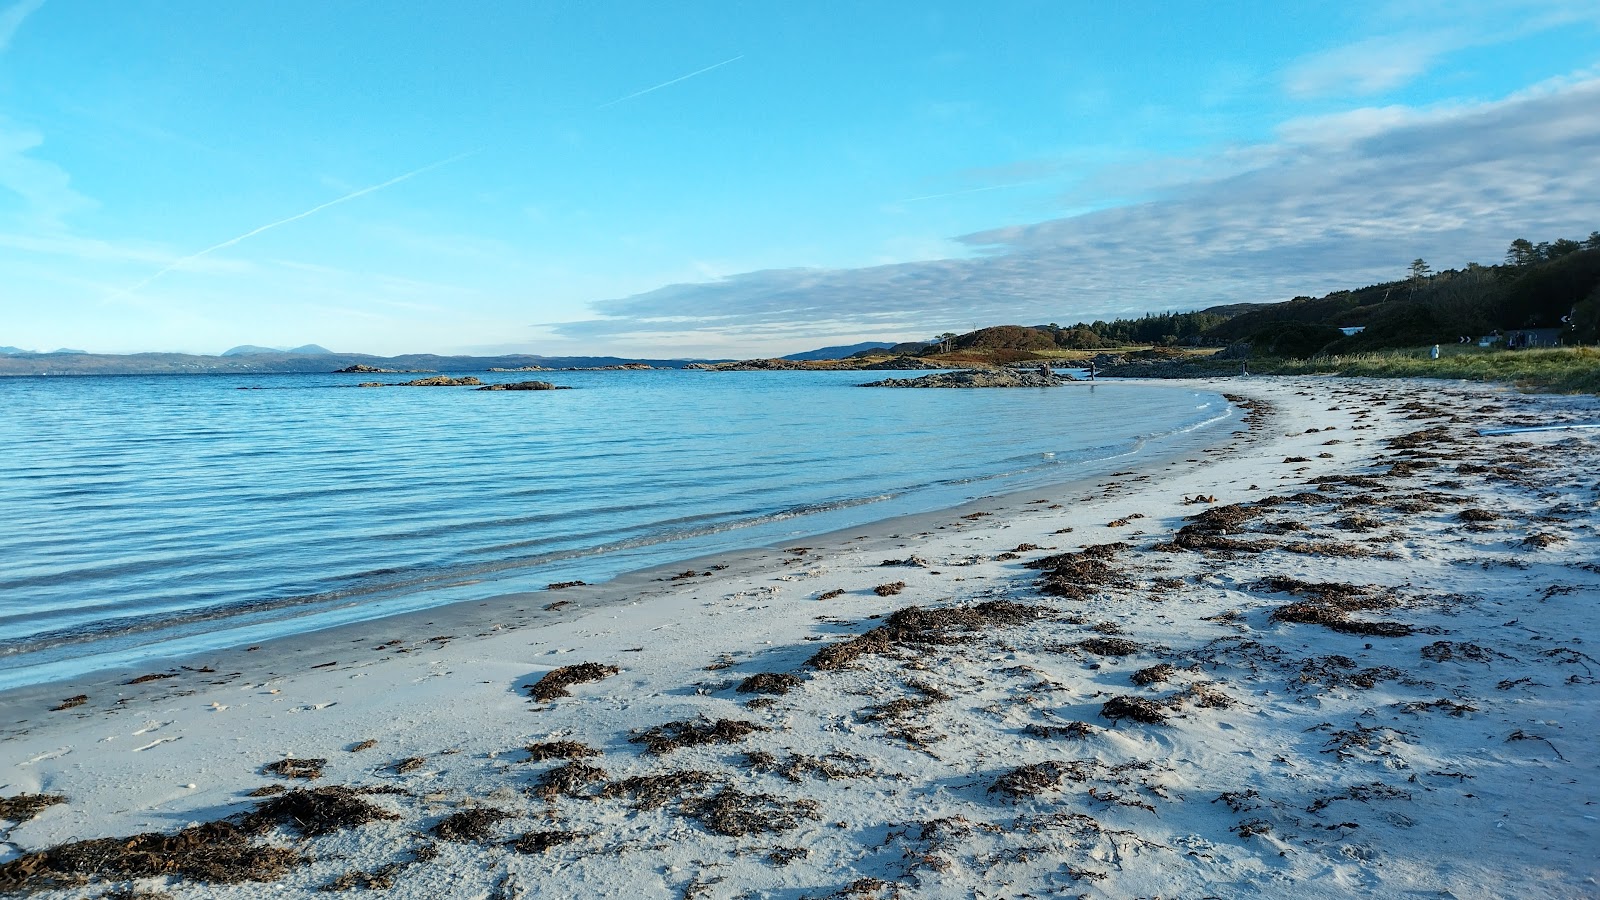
(716, 179)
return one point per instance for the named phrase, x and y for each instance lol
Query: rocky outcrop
(519, 369)
(977, 378)
(898, 362)
(526, 386)
(365, 369)
(762, 365)
(620, 367)
(441, 381)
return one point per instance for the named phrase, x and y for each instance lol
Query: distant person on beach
(1092, 370)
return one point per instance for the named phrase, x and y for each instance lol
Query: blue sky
(504, 177)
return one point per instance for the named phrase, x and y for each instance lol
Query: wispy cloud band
(1315, 212)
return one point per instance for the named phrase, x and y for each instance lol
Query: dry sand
(1369, 668)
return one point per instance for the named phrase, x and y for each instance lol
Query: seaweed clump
(221, 852)
(568, 780)
(555, 682)
(1139, 709)
(1077, 576)
(559, 750)
(769, 683)
(663, 739)
(915, 626)
(654, 791)
(1208, 531)
(296, 768)
(469, 825)
(23, 807)
(735, 814)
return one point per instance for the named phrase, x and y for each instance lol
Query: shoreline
(1233, 790)
(460, 614)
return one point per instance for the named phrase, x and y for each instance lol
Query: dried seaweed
(542, 841)
(296, 768)
(1073, 730)
(1107, 646)
(1139, 709)
(23, 807)
(568, 781)
(769, 683)
(1155, 674)
(735, 814)
(797, 766)
(469, 825)
(555, 682)
(655, 791)
(1311, 613)
(559, 750)
(314, 811)
(663, 739)
(1029, 780)
(218, 852)
(914, 625)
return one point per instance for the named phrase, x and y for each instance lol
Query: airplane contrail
(670, 83)
(315, 209)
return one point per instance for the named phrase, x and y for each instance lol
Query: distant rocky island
(468, 381)
(1001, 377)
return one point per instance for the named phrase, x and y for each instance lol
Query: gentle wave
(132, 523)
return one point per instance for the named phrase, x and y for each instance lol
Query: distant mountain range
(838, 352)
(267, 361)
(253, 350)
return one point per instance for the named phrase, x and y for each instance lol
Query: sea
(149, 517)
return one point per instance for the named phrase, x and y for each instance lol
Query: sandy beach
(1350, 649)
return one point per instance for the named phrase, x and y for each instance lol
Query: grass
(1563, 370)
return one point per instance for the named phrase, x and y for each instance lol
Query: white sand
(1459, 760)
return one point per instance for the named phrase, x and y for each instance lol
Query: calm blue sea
(147, 516)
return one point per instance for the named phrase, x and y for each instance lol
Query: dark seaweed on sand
(769, 683)
(1139, 709)
(1106, 646)
(559, 750)
(296, 768)
(568, 780)
(916, 626)
(555, 682)
(663, 739)
(734, 814)
(655, 791)
(543, 841)
(220, 852)
(469, 825)
(23, 807)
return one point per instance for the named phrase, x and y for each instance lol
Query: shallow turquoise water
(149, 515)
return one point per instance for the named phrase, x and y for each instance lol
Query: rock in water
(975, 378)
(526, 386)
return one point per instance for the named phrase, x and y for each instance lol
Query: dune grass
(1562, 370)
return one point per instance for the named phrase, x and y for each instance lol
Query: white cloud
(44, 187)
(1336, 203)
(1369, 66)
(12, 19)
